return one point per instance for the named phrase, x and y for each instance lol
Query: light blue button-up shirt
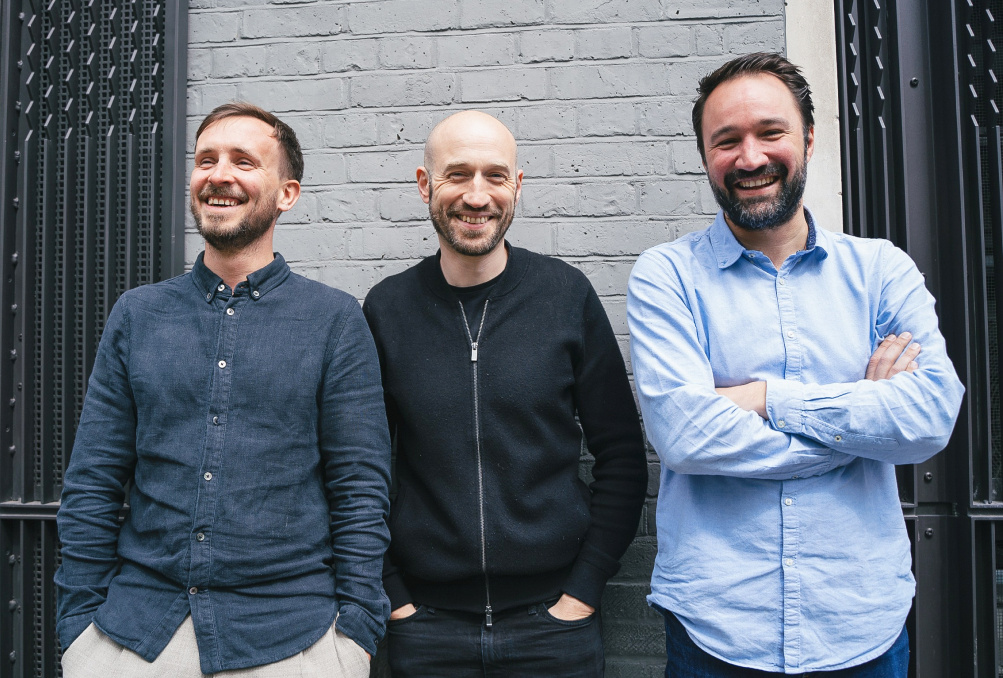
(781, 543)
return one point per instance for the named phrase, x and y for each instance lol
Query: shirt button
(207, 475)
(229, 311)
(781, 282)
(200, 537)
(839, 438)
(209, 296)
(788, 501)
(781, 423)
(193, 590)
(790, 334)
(795, 477)
(221, 287)
(215, 420)
(255, 294)
(222, 364)
(789, 562)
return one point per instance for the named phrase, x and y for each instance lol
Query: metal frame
(92, 165)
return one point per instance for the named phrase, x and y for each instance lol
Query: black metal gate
(920, 121)
(92, 96)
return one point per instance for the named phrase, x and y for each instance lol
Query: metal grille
(91, 204)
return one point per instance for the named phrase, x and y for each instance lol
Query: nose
(221, 173)
(751, 155)
(476, 195)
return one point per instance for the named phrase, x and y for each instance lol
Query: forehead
(748, 99)
(238, 131)
(475, 145)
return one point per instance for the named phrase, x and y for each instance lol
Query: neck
(777, 243)
(461, 270)
(234, 267)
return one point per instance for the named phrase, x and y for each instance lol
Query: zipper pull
(473, 359)
(487, 616)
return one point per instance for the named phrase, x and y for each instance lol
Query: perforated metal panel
(91, 204)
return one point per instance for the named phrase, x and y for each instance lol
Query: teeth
(222, 202)
(474, 220)
(756, 183)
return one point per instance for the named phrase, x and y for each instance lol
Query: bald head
(469, 127)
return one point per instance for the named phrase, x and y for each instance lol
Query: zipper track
(474, 345)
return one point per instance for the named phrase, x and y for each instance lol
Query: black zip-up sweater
(490, 512)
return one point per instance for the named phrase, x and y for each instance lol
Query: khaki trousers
(95, 655)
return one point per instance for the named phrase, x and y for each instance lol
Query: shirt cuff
(356, 623)
(785, 405)
(588, 579)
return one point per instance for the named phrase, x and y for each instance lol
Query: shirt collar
(259, 283)
(727, 249)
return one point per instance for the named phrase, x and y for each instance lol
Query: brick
(481, 14)
(685, 157)
(357, 278)
(324, 169)
(209, 96)
(477, 49)
(503, 85)
(608, 276)
(665, 40)
(384, 166)
(709, 40)
(536, 236)
(616, 311)
(288, 22)
(538, 46)
(199, 64)
(546, 121)
(626, 601)
(309, 129)
(304, 212)
(631, 638)
(536, 161)
(719, 9)
(345, 130)
(310, 243)
(549, 200)
(639, 560)
(411, 242)
(676, 198)
(604, 11)
(245, 61)
(610, 80)
(606, 119)
(666, 117)
(616, 238)
(315, 94)
(708, 203)
(213, 27)
(651, 667)
(601, 200)
(406, 126)
(603, 43)
(403, 204)
(611, 159)
(684, 76)
(398, 16)
(406, 52)
(350, 55)
(412, 89)
(347, 204)
(761, 36)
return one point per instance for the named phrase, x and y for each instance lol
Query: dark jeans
(686, 660)
(527, 641)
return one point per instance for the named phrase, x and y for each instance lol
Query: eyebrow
(239, 150)
(765, 122)
(463, 165)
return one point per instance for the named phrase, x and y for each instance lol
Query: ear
(423, 184)
(289, 193)
(810, 148)
(518, 186)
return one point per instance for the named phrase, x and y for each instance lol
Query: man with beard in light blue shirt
(780, 379)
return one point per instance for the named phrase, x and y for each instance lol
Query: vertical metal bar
(173, 138)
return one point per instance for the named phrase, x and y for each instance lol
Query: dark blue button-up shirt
(252, 428)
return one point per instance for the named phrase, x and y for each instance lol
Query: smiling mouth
(758, 182)
(222, 202)
(475, 221)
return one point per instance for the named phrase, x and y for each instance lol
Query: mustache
(210, 191)
(737, 175)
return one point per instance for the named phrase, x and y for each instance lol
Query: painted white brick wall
(597, 92)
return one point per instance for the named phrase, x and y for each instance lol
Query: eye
(206, 162)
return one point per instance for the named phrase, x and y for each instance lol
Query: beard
(462, 241)
(757, 214)
(249, 229)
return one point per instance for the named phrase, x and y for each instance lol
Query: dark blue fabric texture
(252, 428)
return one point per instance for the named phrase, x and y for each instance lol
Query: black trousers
(526, 641)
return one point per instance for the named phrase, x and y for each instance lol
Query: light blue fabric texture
(781, 542)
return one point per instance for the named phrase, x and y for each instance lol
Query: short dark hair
(284, 134)
(754, 64)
